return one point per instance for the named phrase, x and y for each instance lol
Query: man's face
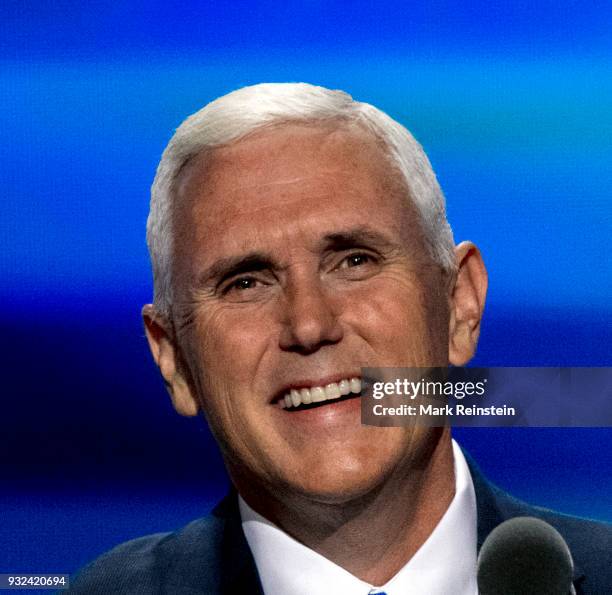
(298, 260)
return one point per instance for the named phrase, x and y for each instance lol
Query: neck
(375, 535)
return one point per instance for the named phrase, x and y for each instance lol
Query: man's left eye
(355, 260)
(244, 283)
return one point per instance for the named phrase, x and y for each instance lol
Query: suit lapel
(488, 508)
(238, 570)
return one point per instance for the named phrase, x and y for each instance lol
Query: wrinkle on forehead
(304, 180)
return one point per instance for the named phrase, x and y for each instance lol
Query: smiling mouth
(308, 397)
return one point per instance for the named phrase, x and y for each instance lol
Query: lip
(310, 382)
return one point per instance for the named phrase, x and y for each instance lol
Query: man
(297, 236)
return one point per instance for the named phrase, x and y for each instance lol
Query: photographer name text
(445, 410)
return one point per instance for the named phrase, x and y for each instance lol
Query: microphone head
(525, 556)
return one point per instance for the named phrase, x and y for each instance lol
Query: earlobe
(164, 351)
(467, 302)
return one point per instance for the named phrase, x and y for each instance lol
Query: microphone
(525, 556)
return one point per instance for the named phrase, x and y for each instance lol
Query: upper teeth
(316, 394)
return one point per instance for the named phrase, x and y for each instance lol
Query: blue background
(511, 102)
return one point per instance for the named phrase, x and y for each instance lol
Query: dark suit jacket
(211, 556)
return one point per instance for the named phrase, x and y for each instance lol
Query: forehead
(289, 179)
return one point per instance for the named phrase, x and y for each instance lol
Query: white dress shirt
(444, 565)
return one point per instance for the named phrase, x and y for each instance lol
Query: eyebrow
(357, 236)
(227, 267)
(224, 268)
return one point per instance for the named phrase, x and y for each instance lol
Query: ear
(467, 302)
(164, 350)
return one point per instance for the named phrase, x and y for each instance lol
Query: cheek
(223, 357)
(228, 345)
(392, 317)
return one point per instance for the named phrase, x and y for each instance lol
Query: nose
(310, 320)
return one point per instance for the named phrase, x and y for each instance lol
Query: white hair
(246, 110)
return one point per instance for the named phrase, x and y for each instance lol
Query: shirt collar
(445, 563)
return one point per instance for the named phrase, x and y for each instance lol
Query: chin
(334, 485)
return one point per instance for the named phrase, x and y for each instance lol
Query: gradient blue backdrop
(512, 103)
